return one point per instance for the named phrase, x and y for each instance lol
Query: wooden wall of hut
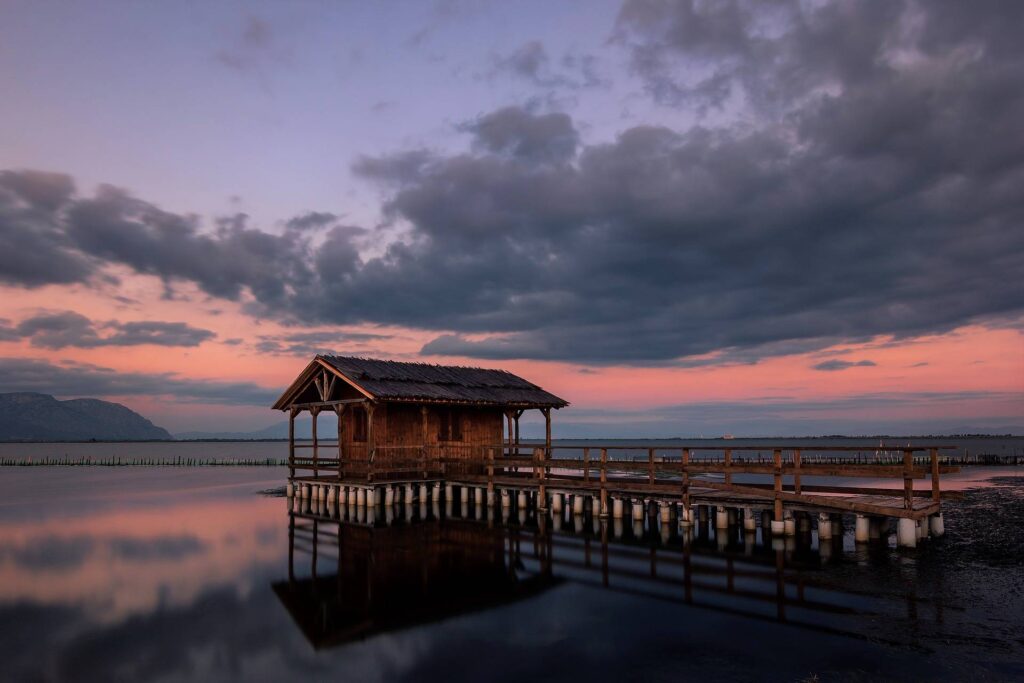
(399, 431)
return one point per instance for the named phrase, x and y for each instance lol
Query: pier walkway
(685, 483)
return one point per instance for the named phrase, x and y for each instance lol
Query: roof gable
(386, 380)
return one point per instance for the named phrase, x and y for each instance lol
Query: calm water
(193, 574)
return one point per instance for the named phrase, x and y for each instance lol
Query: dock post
(449, 492)
(464, 494)
(361, 497)
(577, 504)
(779, 521)
(436, 493)
(861, 530)
(824, 527)
(556, 502)
(906, 533)
(788, 524)
(665, 512)
(617, 508)
(389, 495)
(408, 494)
(424, 493)
(749, 521)
(637, 508)
(721, 518)
(478, 496)
(595, 506)
(290, 489)
(937, 525)
(521, 500)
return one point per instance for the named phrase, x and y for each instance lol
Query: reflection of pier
(352, 575)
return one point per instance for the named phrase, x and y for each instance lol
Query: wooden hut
(400, 420)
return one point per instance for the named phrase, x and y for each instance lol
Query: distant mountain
(40, 417)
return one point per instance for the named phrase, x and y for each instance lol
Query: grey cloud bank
(873, 188)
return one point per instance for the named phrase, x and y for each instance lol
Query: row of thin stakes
(84, 461)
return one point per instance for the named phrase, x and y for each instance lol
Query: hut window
(450, 426)
(359, 424)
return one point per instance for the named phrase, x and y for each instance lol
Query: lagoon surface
(147, 573)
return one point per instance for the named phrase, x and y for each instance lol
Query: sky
(686, 218)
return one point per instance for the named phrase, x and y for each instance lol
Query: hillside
(40, 417)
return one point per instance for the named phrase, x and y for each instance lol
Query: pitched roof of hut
(386, 380)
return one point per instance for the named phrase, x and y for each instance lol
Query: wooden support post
(518, 414)
(728, 466)
(933, 454)
(547, 432)
(908, 479)
(314, 412)
(291, 441)
(586, 465)
(538, 472)
(340, 411)
(650, 465)
(777, 462)
(796, 471)
(686, 480)
(511, 432)
(604, 481)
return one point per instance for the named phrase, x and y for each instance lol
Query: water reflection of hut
(391, 578)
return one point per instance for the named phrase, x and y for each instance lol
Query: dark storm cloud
(834, 365)
(34, 249)
(80, 379)
(313, 220)
(58, 330)
(519, 134)
(873, 189)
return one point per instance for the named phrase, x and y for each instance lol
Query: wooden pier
(411, 432)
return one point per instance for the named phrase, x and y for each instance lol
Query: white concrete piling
(506, 499)
(789, 524)
(478, 497)
(749, 521)
(666, 513)
(424, 493)
(463, 494)
(361, 497)
(906, 533)
(290, 490)
(721, 518)
(824, 527)
(938, 526)
(556, 503)
(595, 506)
(577, 504)
(616, 508)
(521, 500)
(435, 494)
(638, 510)
(861, 530)
(778, 527)
(378, 495)
(389, 495)
(449, 492)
